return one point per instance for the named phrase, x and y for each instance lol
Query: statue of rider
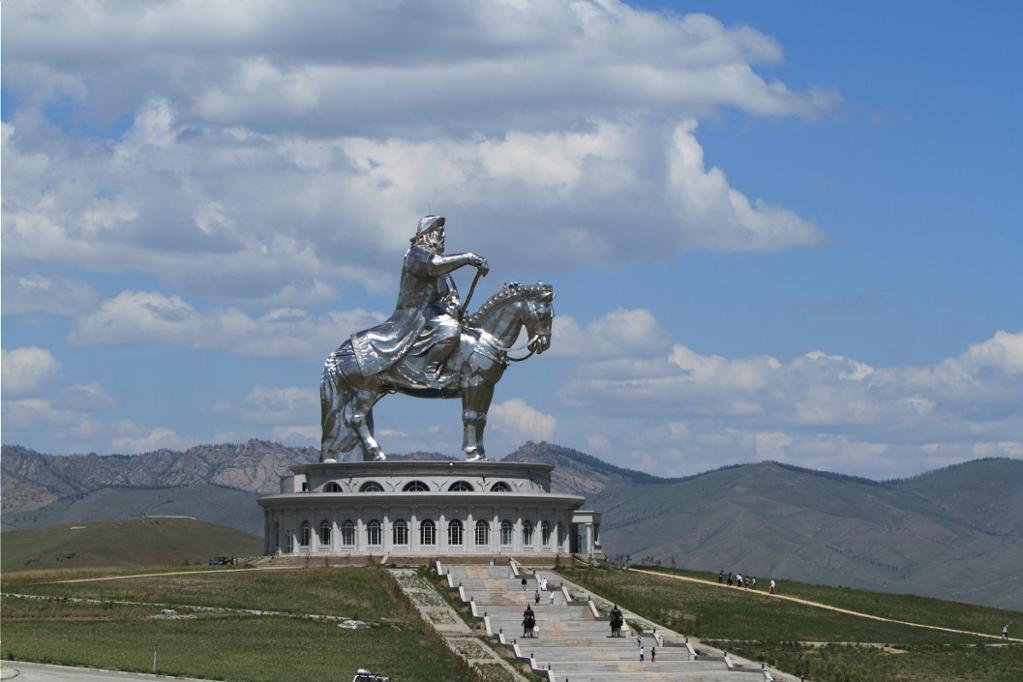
(425, 318)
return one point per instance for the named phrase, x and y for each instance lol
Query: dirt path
(158, 575)
(819, 605)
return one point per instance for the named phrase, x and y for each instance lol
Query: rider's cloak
(420, 303)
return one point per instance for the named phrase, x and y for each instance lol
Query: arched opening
(325, 533)
(373, 534)
(289, 542)
(348, 533)
(304, 533)
(416, 487)
(399, 532)
(427, 533)
(500, 487)
(332, 487)
(527, 533)
(371, 487)
(461, 487)
(545, 534)
(455, 532)
(482, 533)
(506, 532)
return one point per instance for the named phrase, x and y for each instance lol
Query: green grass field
(906, 607)
(822, 644)
(230, 646)
(134, 542)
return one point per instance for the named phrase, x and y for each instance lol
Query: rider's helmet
(428, 224)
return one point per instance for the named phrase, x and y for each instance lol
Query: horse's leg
(359, 418)
(330, 415)
(475, 403)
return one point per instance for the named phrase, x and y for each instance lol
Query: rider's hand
(483, 266)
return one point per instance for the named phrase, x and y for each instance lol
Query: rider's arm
(442, 265)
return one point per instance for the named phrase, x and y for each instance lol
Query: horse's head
(538, 316)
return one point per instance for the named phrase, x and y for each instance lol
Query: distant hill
(955, 532)
(32, 480)
(224, 506)
(773, 520)
(134, 542)
(987, 493)
(576, 472)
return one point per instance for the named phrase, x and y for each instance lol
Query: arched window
(455, 532)
(427, 533)
(506, 532)
(399, 532)
(373, 534)
(416, 487)
(482, 533)
(545, 534)
(460, 487)
(527, 533)
(500, 487)
(348, 533)
(325, 533)
(289, 542)
(371, 487)
(303, 537)
(332, 487)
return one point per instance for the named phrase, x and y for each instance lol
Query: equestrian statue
(429, 348)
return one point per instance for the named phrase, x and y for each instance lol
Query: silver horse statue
(429, 349)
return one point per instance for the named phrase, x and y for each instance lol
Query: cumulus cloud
(621, 332)
(280, 158)
(133, 438)
(523, 420)
(820, 410)
(27, 370)
(289, 406)
(140, 317)
(33, 293)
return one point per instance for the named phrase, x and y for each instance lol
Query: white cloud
(27, 370)
(86, 397)
(34, 293)
(818, 410)
(134, 439)
(522, 420)
(139, 317)
(620, 333)
(276, 157)
(289, 407)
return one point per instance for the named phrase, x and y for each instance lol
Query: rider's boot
(435, 359)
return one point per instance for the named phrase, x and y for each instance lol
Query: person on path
(550, 600)
(641, 659)
(772, 586)
(738, 580)
(753, 583)
(639, 642)
(524, 582)
(729, 578)
(653, 654)
(536, 597)
(721, 576)
(1005, 631)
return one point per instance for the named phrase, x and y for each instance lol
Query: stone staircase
(571, 642)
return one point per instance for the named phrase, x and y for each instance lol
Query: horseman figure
(429, 349)
(425, 321)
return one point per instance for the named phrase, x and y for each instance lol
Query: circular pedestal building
(426, 509)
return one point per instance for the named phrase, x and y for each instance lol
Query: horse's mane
(508, 294)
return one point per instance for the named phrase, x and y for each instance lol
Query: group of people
(749, 583)
(617, 620)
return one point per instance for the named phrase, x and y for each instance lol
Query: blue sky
(779, 231)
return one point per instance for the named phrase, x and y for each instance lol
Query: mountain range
(955, 533)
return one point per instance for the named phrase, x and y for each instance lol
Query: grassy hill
(772, 520)
(215, 504)
(134, 542)
(825, 645)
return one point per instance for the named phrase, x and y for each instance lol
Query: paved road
(19, 671)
